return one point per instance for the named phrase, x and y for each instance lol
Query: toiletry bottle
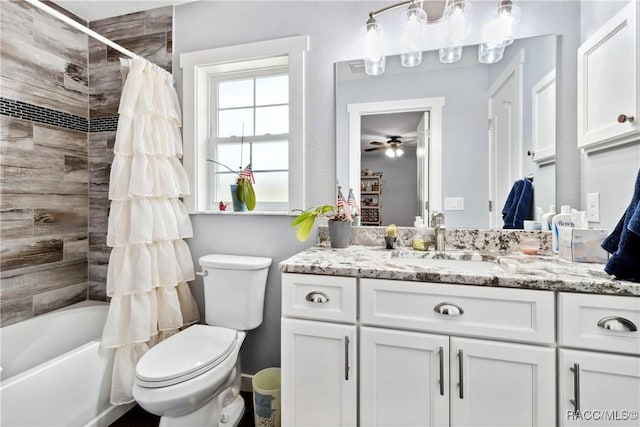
(563, 219)
(548, 217)
(418, 239)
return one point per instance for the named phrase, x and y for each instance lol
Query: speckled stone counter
(543, 272)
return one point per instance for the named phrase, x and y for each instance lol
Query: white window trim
(195, 110)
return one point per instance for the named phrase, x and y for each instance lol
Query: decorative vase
(238, 206)
(339, 233)
(390, 242)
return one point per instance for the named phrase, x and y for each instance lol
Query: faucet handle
(437, 219)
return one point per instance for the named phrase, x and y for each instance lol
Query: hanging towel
(624, 242)
(518, 205)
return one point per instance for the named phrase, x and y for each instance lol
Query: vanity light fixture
(499, 32)
(457, 14)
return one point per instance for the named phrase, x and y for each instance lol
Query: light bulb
(389, 152)
(374, 60)
(399, 152)
(458, 17)
(412, 36)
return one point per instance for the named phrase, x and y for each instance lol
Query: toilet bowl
(193, 377)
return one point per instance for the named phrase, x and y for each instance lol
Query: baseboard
(246, 383)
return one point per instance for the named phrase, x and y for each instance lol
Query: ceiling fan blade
(374, 149)
(377, 143)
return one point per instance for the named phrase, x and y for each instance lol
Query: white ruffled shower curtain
(149, 263)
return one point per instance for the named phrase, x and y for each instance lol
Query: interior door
(422, 157)
(505, 137)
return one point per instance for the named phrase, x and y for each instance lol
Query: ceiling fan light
(390, 152)
(399, 152)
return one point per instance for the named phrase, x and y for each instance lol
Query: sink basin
(453, 261)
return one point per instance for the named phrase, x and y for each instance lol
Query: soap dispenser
(418, 239)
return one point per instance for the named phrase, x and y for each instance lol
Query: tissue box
(582, 245)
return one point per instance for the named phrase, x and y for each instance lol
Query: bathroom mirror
(465, 131)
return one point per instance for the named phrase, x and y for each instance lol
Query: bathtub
(54, 372)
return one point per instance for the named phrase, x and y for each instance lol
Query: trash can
(266, 397)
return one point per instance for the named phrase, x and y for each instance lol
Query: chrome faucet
(437, 223)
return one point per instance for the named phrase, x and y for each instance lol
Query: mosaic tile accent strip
(103, 124)
(34, 113)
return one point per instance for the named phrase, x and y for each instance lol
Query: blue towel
(518, 205)
(624, 242)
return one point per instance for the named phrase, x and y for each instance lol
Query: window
(245, 104)
(249, 114)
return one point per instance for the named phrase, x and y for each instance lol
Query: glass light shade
(399, 152)
(411, 59)
(504, 24)
(374, 60)
(458, 17)
(389, 152)
(412, 36)
(449, 55)
(490, 53)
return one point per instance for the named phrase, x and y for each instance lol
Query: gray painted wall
(611, 173)
(333, 29)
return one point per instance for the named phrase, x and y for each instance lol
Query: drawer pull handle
(616, 323)
(576, 387)
(448, 309)
(346, 358)
(317, 297)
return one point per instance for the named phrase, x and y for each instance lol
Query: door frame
(515, 69)
(434, 106)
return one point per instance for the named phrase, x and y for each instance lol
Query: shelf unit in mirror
(371, 200)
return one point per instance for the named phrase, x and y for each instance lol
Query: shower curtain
(150, 263)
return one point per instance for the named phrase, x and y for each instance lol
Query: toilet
(193, 377)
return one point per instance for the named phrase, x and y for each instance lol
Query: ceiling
(377, 127)
(93, 10)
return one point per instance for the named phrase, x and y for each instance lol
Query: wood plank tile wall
(148, 34)
(54, 175)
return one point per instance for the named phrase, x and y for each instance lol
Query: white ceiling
(93, 10)
(379, 127)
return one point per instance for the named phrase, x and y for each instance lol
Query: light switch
(454, 203)
(593, 207)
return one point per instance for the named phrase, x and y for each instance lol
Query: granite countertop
(543, 272)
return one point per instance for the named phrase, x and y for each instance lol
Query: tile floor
(138, 417)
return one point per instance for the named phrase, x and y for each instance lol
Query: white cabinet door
(608, 84)
(404, 378)
(501, 384)
(319, 366)
(607, 389)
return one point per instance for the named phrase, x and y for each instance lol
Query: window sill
(247, 213)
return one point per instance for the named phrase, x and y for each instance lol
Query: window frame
(196, 68)
(214, 108)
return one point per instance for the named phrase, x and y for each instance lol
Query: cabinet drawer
(599, 322)
(513, 314)
(326, 298)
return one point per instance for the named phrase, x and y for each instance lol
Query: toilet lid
(185, 355)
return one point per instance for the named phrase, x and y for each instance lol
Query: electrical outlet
(593, 207)
(454, 203)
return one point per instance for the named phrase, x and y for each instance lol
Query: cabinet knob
(448, 309)
(615, 323)
(623, 118)
(317, 297)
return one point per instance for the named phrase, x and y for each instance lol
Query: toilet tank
(234, 288)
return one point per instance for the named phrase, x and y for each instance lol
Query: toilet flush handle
(202, 273)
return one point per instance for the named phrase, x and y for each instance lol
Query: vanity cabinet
(609, 83)
(423, 354)
(602, 377)
(318, 357)
(431, 379)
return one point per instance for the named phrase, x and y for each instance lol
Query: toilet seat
(185, 355)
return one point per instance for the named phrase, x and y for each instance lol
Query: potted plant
(340, 221)
(243, 195)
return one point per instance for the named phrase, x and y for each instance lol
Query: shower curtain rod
(82, 28)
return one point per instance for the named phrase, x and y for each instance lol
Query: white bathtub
(54, 372)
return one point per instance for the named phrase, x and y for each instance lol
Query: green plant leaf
(305, 227)
(250, 195)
